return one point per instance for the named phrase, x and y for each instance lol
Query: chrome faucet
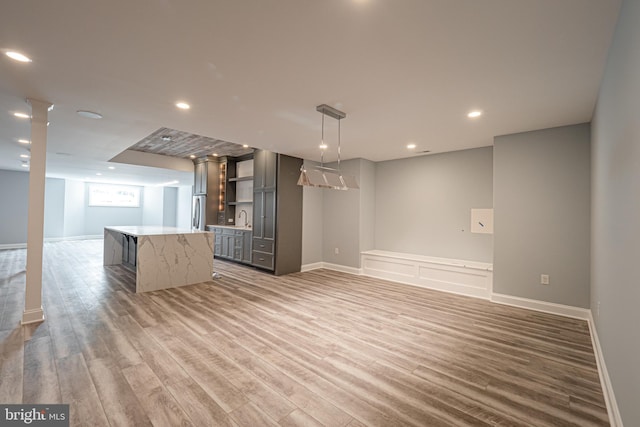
(246, 220)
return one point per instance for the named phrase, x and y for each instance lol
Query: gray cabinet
(277, 213)
(265, 165)
(200, 178)
(232, 244)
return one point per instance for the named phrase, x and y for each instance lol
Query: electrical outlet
(544, 279)
(336, 251)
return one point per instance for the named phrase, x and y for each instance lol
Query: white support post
(35, 221)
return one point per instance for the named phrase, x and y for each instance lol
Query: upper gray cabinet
(265, 164)
(200, 178)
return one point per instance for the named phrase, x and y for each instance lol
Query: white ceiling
(253, 71)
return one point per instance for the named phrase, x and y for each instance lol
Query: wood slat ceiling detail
(184, 144)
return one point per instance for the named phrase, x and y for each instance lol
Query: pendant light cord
(338, 145)
(322, 146)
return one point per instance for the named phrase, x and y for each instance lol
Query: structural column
(35, 221)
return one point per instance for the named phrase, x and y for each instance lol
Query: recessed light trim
(411, 146)
(193, 156)
(183, 105)
(245, 146)
(22, 115)
(474, 114)
(89, 114)
(24, 165)
(24, 156)
(215, 154)
(17, 56)
(24, 141)
(165, 138)
(323, 146)
(111, 167)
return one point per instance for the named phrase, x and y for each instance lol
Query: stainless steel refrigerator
(199, 212)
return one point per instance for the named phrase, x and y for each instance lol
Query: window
(123, 196)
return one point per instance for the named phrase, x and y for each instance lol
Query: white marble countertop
(152, 230)
(232, 227)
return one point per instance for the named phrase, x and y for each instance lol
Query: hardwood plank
(250, 415)
(119, 401)
(79, 392)
(40, 373)
(199, 406)
(158, 403)
(301, 419)
(11, 365)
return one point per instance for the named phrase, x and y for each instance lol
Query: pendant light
(321, 176)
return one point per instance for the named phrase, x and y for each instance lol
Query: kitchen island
(162, 257)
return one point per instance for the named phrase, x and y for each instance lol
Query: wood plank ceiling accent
(175, 143)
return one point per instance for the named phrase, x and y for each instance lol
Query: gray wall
(542, 214)
(74, 208)
(14, 194)
(152, 206)
(67, 213)
(341, 221)
(423, 204)
(312, 222)
(54, 208)
(615, 281)
(169, 206)
(367, 194)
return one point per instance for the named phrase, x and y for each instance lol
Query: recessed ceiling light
(22, 115)
(215, 154)
(183, 105)
(18, 56)
(474, 114)
(411, 146)
(89, 114)
(323, 146)
(193, 156)
(111, 167)
(245, 146)
(24, 165)
(24, 156)
(166, 138)
(24, 141)
(98, 173)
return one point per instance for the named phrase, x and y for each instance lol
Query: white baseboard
(342, 268)
(32, 316)
(543, 306)
(330, 266)
(312, 266)
(13, 246)
(607, 389)
(64, 239)
(52, 239)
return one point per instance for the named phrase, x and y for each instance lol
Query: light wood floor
(309, 349)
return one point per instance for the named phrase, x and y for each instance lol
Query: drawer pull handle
(262, 246)
(261, 259)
